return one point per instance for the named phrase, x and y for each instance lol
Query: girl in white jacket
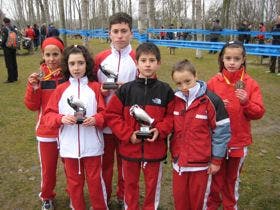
(76, 107)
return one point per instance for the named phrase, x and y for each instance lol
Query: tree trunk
(62, 19)
(142, 20)
(85, 15)
(199, 25)
(151, 14)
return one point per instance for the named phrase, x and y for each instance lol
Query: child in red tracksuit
(243, 101)
(76, 109)
(155, 98)
(39, 88)
(201, 134)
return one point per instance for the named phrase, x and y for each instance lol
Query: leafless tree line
(91, 14)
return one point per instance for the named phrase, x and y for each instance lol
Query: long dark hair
(77, 49)
(232, 44)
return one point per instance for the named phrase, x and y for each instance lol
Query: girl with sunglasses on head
(242, 97)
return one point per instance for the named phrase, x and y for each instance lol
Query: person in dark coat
(9, 53)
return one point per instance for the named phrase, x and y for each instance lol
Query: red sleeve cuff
(216, 161)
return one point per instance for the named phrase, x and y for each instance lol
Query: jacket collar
(83, 80)
(123, 52)
(195, 92)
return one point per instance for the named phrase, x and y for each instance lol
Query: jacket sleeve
(221, 132)
(32, 98)
(115, 119)
(51, 115)
(254, 108)
(99, 117)
(166, 125)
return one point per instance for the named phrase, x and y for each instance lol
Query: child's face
(120, 35)
(233, 59)
(147, 65)
(77, 65)
(184, 80)
(52, 56)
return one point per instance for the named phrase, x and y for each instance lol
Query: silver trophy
(79, 107)
(144, 120)
(111, 78)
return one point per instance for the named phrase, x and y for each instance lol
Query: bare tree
(142, 19)
(62, 19)
(85, 13)
(151, 14)
(198, 20)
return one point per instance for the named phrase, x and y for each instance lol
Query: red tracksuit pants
(91, 172)
(152, 179)
(225, 185)
(110, 149)
(189, 189)
(48, 155)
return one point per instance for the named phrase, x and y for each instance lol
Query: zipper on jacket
(143, 163)
(79, 142)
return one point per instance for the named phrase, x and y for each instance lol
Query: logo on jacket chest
(156, 101)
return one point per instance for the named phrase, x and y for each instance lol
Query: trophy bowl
(111, 78)
(79, 108)
(144, 120)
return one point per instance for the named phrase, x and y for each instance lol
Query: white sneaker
(47, 205)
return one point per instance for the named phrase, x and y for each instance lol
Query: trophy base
(79, 121)
(144, 135)
(109, 85)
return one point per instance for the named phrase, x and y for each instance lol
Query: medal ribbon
(51, 73)
(229, 83)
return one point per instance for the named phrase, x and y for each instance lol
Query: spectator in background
(244, 38)
(52, 31)
(37, 36)
(43, 32)
(214, 37)
(162, 34)
(275, 41)
(170, 35)
(29, 32)
(9, 53)
(261, 36)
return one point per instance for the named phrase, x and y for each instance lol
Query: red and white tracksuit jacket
(122, 63)
(80, 145)
(226, 181)
(36, 100)
(201, 134)
(156, 98)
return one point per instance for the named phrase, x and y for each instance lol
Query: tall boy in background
(120, 59)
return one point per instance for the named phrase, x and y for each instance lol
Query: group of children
(209, 122)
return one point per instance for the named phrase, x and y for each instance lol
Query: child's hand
(33, 80)
(69, 120)
(133, 138)
(226, 102)
(155, 136)
(213, 169)
(104, 92)
(89, 121)
(242, 95)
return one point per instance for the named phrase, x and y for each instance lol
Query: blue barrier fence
(253, 49)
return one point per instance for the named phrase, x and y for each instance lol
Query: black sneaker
(47, 205)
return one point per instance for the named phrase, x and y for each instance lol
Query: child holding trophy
(139, 108)
(243, 101)
(39, 88)
(201, 134)
(76, 109)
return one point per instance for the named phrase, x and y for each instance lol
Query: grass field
(19, 168)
